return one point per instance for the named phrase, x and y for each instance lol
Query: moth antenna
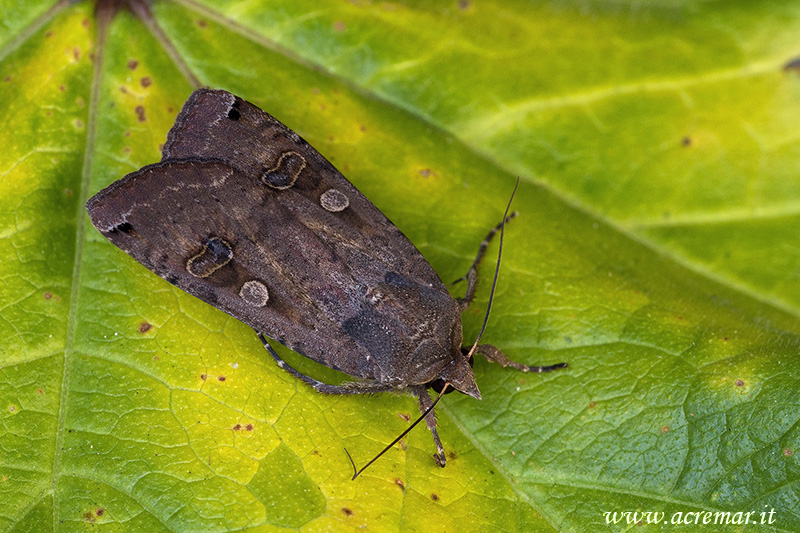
(357, 472)
(496, 274)
(482, 249)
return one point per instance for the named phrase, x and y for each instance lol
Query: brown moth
(242, 213)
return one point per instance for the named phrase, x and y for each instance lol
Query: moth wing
(216, 124)
(279, 261)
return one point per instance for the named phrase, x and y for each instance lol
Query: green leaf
(657, 147)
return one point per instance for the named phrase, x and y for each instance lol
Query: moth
(242, 213)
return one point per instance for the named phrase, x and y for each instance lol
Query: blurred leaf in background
(655, 252)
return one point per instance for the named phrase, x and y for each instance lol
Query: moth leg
(325, 388)
(424, 404)
(472, 274)
(492, 353)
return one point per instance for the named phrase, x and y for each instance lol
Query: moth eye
(215, 254)
(234, 114)
(254, 293)
(334, 200)
(285, 172)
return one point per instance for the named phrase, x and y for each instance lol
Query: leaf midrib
(80, 224)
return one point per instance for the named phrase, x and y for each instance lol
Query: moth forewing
(244, 214)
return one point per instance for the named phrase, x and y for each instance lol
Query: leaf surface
(654, 253)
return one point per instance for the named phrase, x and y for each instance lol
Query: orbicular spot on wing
(254, 293)
(285, 172)
(215, 254)
(334, 200)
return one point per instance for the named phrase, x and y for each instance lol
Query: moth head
(459, 372)
(460, 377)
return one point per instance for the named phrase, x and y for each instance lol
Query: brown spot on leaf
(12, 408)
(464, 5)
(132, 64)
(140, 113)
(203, 377)
(222, 378)
(428, 172)
(7, 78)
(434, 497)
(664, 429)
(88, 517)
(48, 295)
(144, 327)
(202, 23)
(399, 483)
(686, 141)
(404, 416)
(237, 427)
(788, 452)
(62, 88)
(48, 34)
(347, 512)
(76, 53)
(248, 427)
(39, 391)
(147, 81)
(592, 405)
(339, 26)
(739, 383)
(100, 511)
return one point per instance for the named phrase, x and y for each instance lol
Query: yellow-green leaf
(657, 146)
